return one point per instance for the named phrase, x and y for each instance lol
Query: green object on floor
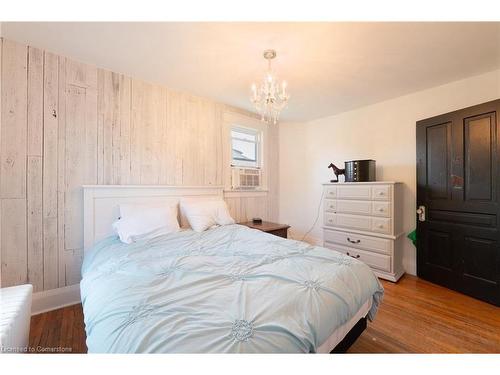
(413, 237)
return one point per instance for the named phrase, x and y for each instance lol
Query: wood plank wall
(65, 124)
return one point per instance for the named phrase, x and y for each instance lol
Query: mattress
(229, 289)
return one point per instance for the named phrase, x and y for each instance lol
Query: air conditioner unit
(246, 178)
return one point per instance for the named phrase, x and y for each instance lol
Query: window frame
(238, 163)
(234, 118)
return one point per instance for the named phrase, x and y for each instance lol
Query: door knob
(421, 213)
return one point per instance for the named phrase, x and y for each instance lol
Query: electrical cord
(317, 216)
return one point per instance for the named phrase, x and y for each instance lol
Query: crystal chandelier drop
(271, 96)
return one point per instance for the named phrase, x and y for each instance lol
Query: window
(245, 147)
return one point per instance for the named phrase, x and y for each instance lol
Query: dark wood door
(458, 183)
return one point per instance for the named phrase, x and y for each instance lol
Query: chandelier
(270, 97)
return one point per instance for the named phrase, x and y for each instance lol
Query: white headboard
(101, 203)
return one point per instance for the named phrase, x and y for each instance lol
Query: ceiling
(330, 67)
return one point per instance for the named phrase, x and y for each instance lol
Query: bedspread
(228, 289)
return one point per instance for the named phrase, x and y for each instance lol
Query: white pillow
(139, 222)
(202, 215)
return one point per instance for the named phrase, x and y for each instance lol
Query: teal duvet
(230, 289)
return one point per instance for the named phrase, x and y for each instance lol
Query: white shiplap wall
(65, 124)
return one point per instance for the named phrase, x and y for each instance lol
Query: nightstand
(280, 230)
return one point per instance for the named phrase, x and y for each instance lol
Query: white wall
(384, 131)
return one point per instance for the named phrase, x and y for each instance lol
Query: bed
(230, 289)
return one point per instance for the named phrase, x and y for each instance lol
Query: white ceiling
(330, 67)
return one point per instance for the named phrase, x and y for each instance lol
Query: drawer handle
(352, 256)
(381, 209)
(352, 241)
(380, 193)
(380, 226)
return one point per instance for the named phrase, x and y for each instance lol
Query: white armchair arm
(15, 315)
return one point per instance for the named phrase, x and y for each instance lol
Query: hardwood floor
(415, 317)
(62, 328)
(420, 317)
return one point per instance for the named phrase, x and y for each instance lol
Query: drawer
(331, 192)
(381, 225)
(330, 219)
(354, 192)
(381, 192)
(330, 205)
(354, 207)
(381, 209)
(374, 260)
(365, 223)
(375, 208)
(359, 241)
(348, 221)
(280, 232)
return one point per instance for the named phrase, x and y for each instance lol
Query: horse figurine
(337, 172)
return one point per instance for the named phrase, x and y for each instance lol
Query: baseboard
(55, 299)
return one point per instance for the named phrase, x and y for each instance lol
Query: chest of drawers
(364, 221)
